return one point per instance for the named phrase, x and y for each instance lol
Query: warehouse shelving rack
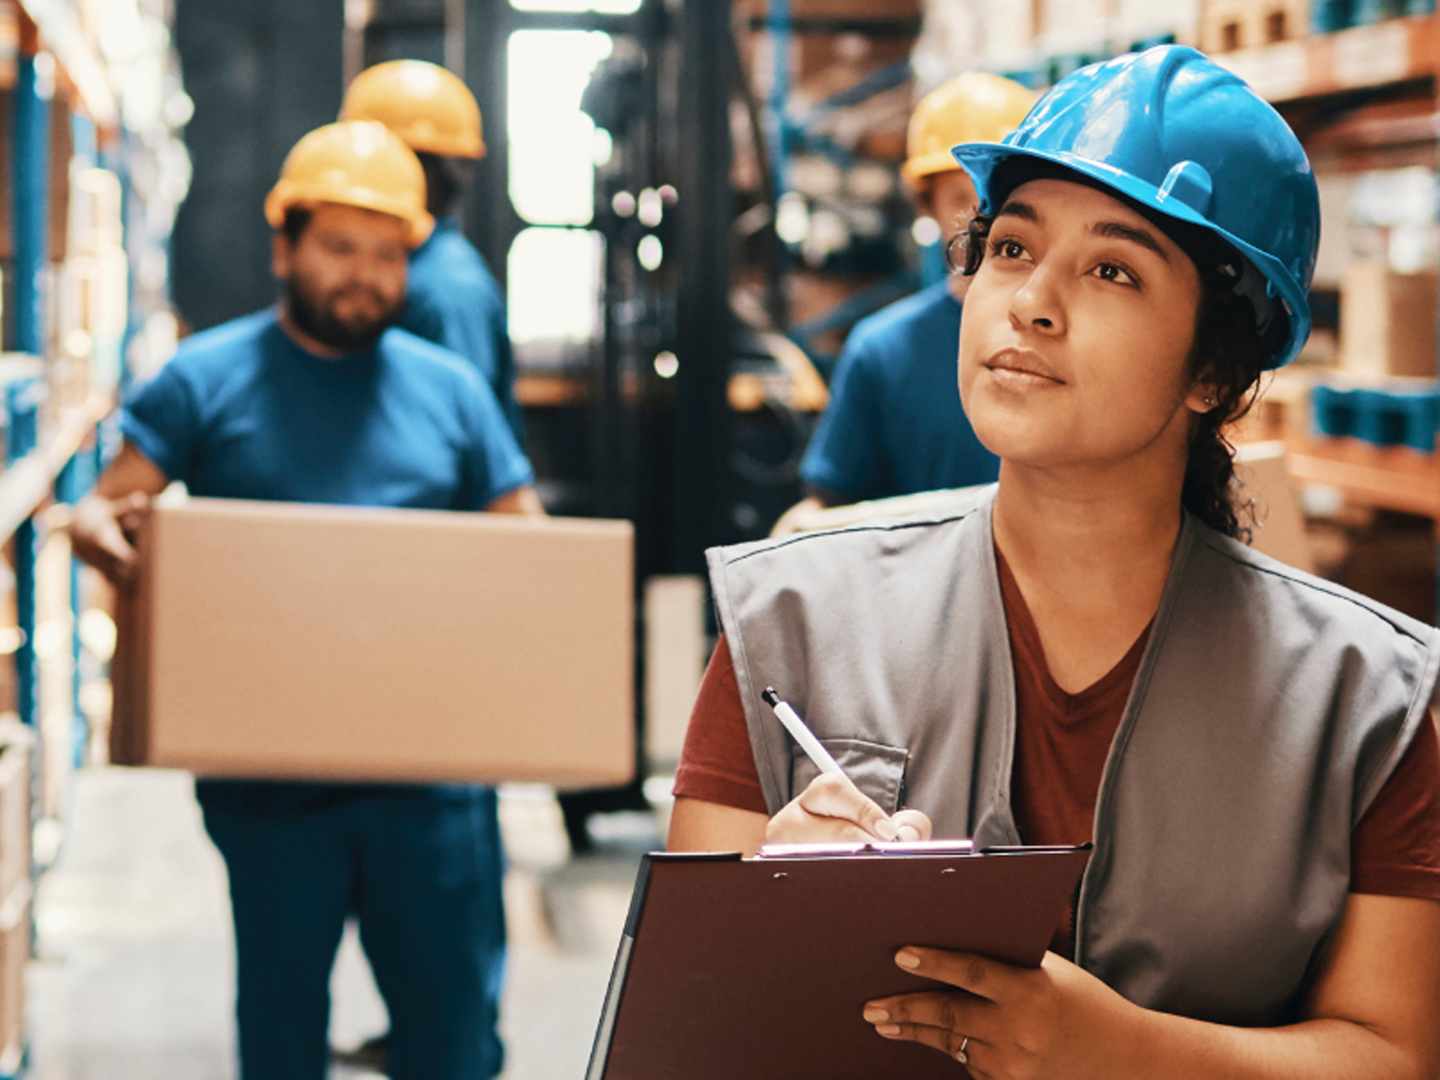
(1364, 97)
(69, 124)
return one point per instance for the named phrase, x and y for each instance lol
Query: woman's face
(1076, 333)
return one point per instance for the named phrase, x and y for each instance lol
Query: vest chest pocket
(876, 769)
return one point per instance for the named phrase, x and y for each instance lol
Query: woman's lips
(1017, 369)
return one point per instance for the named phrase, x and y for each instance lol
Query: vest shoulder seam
(891, 525)
(1298, 578)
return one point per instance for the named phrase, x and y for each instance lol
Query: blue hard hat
(1183, 138)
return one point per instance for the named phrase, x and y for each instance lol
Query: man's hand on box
(102, 533)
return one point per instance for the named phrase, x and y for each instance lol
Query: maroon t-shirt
(1062, 742)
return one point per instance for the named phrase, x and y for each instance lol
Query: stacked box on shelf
(963, 35)
(1390, 416)
(14, 807)
(15, 891)
(1143, 22)
(15, 935)
(1009, 33)
(1227, 25)
(90, 304)
(1388, 321)
(1072, 34)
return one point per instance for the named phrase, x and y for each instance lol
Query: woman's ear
(1202, 397)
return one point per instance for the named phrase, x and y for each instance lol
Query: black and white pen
(800, 733)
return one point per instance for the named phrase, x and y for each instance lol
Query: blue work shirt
(453, 300)
(894, 425)
(242, 412)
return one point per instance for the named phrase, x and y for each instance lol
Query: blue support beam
(781, 36)
(30, 185)
(75, 479)
(31, 188)
(22, 401)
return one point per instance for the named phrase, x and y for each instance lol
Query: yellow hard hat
(973, 107)
(355, 163)
(427, 106)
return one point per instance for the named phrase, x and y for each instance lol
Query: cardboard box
(1072, 25)
(14, 955)
(1388, 320)
(14, 806)
(286, 640)
(1280, 522)
(1140, 20)
(1228, 25)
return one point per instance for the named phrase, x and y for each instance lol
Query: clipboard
(758, 968)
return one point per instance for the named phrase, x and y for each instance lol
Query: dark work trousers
(421, 868)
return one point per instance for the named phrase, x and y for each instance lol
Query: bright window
(554, 285)
(605, 7)
(552, 143)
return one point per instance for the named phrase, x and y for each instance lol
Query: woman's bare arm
(1371, 1015)
(697, 825)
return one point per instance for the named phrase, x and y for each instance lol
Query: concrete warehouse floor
(134, 963)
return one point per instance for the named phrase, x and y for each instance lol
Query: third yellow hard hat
(973, 107)
(427, 106)
(354, 163)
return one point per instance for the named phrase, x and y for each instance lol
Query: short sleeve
(494, 463)
(1395, 850)
(716, 762)
(162, 420)
(846, 454)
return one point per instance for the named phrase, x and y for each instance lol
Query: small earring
(1210, 401)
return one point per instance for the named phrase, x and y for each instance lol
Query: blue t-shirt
(243, 412)
(453, 300)
(894, 425)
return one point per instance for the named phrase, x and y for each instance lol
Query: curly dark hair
(1228, 352)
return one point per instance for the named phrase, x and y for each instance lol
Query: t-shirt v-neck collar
(1031, 651)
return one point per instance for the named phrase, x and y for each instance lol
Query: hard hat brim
(286, 195)
(443, 146)
(981, 160)
(917, 168)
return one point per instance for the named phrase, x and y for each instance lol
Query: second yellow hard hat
(973, 107)
(427, 106)
(354, 163)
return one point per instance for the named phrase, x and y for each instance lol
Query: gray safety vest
(1269, 709)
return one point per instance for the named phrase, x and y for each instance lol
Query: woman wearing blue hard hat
(1088, 652)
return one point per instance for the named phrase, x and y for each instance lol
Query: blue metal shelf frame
(31, 215)
(779, 25)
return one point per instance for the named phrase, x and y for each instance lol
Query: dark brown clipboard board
(757, 969)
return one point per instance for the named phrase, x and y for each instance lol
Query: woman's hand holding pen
(1010, 1022)
(833, 809)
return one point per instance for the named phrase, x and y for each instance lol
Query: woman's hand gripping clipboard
(759, 968)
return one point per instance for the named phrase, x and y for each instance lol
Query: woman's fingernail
(875, 1015)
(888, 1030)
(907, 959)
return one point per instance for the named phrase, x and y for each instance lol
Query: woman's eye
(1115, 273)
(1008, 249)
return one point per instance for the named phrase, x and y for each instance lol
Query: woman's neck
(1091, 553)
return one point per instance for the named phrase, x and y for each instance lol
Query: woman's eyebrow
(1015, 208)
(1118, 230)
